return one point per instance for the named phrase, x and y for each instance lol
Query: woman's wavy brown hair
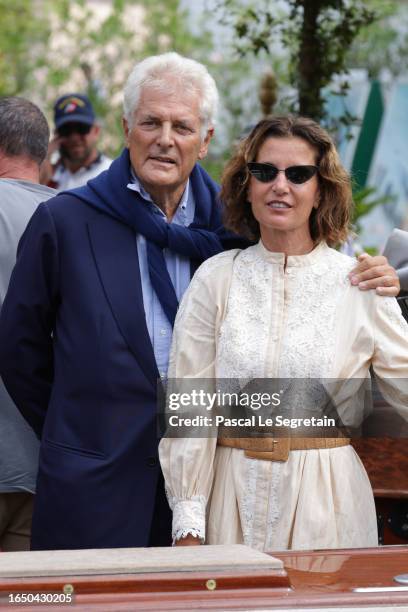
(330, 221)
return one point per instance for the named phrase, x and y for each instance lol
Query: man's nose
(165, 135)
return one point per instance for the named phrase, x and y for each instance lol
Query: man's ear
(126, 130)
(96, 130)
(204, 145)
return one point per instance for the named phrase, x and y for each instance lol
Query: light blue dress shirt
(178, 266)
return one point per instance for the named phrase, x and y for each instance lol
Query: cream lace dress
(246, 315)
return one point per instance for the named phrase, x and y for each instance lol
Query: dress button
(163, 332)
(151, 461)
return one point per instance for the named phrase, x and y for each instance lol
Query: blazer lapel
(115, 252)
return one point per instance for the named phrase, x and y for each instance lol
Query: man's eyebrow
(150, 116)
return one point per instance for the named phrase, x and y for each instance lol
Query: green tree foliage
(50, 47)
(23, 39)
(384, 43)
(316, 33)
(365, 200)
(169, 29)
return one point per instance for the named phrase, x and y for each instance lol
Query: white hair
(168, 72)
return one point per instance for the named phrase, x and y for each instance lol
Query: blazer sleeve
(27, 320)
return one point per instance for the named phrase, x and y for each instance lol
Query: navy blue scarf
(205, 237)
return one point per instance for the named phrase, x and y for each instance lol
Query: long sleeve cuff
(189, 518)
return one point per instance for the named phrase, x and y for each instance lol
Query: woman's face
(279, 206)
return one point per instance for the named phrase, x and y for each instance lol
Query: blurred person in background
(24, 138)
(73, 157)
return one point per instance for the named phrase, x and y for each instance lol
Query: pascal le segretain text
(255, 420)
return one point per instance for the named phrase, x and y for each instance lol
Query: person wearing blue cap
(73, 157)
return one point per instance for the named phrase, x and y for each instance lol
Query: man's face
(77, 141)
(164, 139)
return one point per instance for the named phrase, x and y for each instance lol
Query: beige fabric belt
(278, 449)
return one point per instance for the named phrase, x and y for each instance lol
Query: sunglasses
(294, 174)
(71, 128)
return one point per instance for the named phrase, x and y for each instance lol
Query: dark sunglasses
(295, 174)
(71, 128)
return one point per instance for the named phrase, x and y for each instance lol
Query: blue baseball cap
(73, 108)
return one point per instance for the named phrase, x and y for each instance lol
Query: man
(74, 146)
(86, 327)
(24, 138)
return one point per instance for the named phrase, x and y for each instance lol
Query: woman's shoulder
(210, 283)
(217, 264)
(341, 260)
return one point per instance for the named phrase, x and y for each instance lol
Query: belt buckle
(279, 451)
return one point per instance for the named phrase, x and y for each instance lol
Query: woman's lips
(277, 205)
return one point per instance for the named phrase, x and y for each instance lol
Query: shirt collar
(135, 185)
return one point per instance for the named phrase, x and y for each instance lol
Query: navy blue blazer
(76, 358)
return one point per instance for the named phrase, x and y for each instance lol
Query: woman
(284, 308)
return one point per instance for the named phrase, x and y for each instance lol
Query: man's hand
(189, 540)
(375, 273)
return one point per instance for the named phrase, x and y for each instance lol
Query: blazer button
(151, 461)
